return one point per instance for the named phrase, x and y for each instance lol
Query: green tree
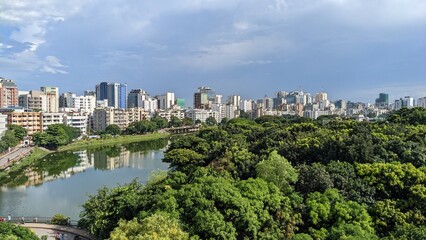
(413, 116)
(9, 139)
(351, 186)
(187, 122)
(157, 226)
(102, 212)
(408, 232)
(19, 131)
(278, 170)
(159, 122)
(183, 159)
(244, 114)
(9, 231)
(330, 216)
(313, 178)
(211, 121)
(175, 122)
(56, 135)
(113, 129)
(141, 127)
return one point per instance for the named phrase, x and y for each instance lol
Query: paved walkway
(42, 229)
(14, 155)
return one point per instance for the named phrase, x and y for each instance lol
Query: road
(41, 229)
(14, 155)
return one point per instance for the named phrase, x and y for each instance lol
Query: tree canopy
(278, 178)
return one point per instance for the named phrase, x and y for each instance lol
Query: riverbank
(12, 175)
(93, 143)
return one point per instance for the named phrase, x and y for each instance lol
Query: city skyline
(352, 50)
(190, 103)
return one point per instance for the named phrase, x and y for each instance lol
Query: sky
(352, 49)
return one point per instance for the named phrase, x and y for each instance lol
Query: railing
(29, 219)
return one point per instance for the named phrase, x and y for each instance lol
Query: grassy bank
(14, 175)
(93, 143)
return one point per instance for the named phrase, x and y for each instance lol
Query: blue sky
(353, 49)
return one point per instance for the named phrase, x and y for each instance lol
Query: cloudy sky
(353, 49)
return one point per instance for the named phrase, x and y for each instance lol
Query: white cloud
(53, 65)
(233, 53)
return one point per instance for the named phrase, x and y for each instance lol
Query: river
(61, 182)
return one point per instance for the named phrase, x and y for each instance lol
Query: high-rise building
(8, 93)
(85, 104)
(136, 98)
(204, 98)
(341, 104)
(166, 101)
(102, 91)
(234, 100)
(34, 100)
(320, 97)
(180, 102)
(268, 103)
(406, 102)
(383, 100)
(122, 96)
(421, 102)
(52, 98)
(65, 99)
(116, 93)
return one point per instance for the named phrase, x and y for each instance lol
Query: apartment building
(32, 121)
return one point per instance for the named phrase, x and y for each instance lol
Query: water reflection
(65, 164)
(61, 182)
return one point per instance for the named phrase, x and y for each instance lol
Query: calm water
(61, 182)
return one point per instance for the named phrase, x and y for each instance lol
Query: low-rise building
(52, 118)
(169, 113)
(32, 121)
(202, 114)
(79, 120)
(102, 117)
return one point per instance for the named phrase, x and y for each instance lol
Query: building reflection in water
(107, 159)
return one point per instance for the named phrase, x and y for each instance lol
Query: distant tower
(204, 98)
(8, 93)
(116, 93)
(383, 100)
(52, 98)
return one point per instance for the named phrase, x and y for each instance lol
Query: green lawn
(112, 141)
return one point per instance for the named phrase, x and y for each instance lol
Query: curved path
(47, 229)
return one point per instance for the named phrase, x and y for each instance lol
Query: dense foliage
(10, 231)
(279, 178)
(12, 136)
(56, 135)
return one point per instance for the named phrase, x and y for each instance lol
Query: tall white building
(150, 104)
(52, 98)
(246, 105)
(166, 101)
(84, 103)
(234, 100)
